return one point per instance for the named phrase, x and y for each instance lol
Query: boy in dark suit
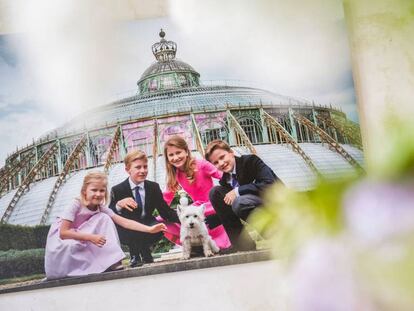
(136, 198)
(240, 189)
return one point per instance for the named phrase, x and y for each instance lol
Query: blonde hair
(91, 177)
(189, 165)
(133, 156)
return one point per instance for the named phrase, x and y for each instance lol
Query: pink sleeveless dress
(198, 191)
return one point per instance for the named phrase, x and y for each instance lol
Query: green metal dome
(167, 73)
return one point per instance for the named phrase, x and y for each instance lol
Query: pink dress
(198, 191)
(72, 257)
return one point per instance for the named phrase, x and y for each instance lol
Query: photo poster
(61, 59)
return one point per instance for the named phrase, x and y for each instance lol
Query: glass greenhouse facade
(298, 139)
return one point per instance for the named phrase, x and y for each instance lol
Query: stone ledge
(150, 269)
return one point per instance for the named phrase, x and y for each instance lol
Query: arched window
(209, 135)
(252, 129)
(139, 139)
(212, 129)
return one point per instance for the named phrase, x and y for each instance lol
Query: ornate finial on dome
(164, 50)
(162, 34)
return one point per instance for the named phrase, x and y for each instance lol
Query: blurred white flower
(322, 277)
(376, 212)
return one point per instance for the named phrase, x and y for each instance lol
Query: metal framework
(29, 179)
(112, 149)
(272, 123)
(199, 142)
(347, 131)
(241, 137)
(155, 149)
(3, 171)
(4, 177)
(62, 176)
(11, 171)
(329, 140)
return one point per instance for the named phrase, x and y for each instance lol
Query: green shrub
(14, 263)
(162, 246)
(40, 233)
(22, 237)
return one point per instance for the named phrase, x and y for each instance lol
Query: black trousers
(138, 241)
(230, 215)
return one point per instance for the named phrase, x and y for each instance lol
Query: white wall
(253, 286)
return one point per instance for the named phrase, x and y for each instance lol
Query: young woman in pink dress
(84, 239)
(194, 176)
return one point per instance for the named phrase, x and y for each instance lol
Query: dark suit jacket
(252, 174)
(153, 200)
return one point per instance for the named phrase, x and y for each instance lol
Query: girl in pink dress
(84, 239)
(195, 177)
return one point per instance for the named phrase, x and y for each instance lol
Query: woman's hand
(98, 240)
(157, 228)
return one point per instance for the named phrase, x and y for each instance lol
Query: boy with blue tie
(136, 198)
(240, 189)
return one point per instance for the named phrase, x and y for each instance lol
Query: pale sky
(72, 56)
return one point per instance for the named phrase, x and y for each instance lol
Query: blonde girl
(84, 240)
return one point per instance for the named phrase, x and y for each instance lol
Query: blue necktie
(234, 182)
(138, 199)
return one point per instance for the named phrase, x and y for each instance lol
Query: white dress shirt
(141, 193)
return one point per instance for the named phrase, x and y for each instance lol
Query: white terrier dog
(194, 231)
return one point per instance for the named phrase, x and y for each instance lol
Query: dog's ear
(179, 209)
(202, 208)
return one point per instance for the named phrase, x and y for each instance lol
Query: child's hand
(98, 240)
(157, 228)
(127, 203)
(230, 197)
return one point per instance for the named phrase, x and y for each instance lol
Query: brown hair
(189, 166)
(91, 177)
(214, 145)
(133, 156)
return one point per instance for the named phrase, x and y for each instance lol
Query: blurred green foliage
(384, 268)
(396, 159)
(289, 218)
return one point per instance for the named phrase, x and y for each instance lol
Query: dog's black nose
(191, 225)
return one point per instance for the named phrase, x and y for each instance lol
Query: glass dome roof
(167, 73)
(164, 67)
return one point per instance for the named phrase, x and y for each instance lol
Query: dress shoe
(146, 256)
(117, 266)
(135, 261)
